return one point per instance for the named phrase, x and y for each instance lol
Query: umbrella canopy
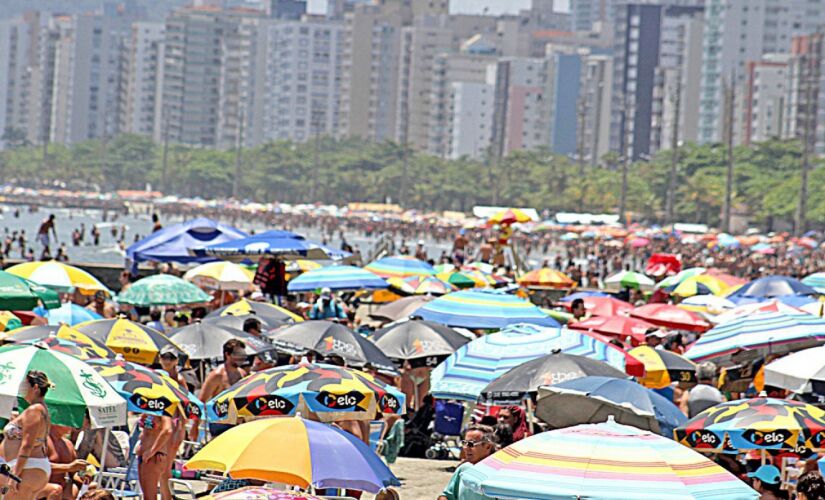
(482, 309)
(554, 368)
(9, 321)
(330, 339)
(148, 391)
(601, 462)
(759, 423)
(707, 304)
(606, 306)
(629, 279)
(136, 342)
(546, 278)
(815, 281)
(260, 493)
(462, 280)
(761, 334)
(400, 266)
(671, 317)
(332, 392)
(221, 276)
(178, 242)
(616, 326)
(802, 372)
(594, 398)
(661, 264)
(270, 314)
(68, 313)
(302, 266)
(237, 322)
(662, 368)
(78, 390)
(771, 287)
(467, 372)
(162, 290)
(509, 216)
(336, 278)
(420, 342)
(204, 340)
(400, 309)
(276, 243)
(673, 281)
(65, 332)
(582, 295)
(79, 350)
(59, 276)
(318, 455)
(699, 285)
(20, 293)
(422, 285)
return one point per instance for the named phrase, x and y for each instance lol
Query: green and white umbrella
(629, 279)
(78, 388)
(20, 294)
(676, 279)
(162, 290)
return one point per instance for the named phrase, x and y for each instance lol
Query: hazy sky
(468, 6)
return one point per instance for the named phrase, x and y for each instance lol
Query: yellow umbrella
(664, 367)
(509, 216)
(697, 285)
(302, 266)
(546, 278)
(138, 343)
(221, 275)
(59, 276)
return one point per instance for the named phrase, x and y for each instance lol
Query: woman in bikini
(152, 452)
(25, 440)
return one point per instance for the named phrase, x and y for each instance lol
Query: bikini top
(14, 432)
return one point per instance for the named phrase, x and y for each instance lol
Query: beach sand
(421, 479)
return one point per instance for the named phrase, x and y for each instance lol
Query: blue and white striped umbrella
(336, 278)
(467, 371)
(766, 333)
(482, 309)
(815, 281)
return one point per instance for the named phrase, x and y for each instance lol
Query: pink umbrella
(639, 242)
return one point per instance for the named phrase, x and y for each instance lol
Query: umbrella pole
(103, 455)
(530, 414)
(764, 456)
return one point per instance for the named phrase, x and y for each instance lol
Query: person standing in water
(43, 236)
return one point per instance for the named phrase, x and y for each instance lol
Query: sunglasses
(471, 444)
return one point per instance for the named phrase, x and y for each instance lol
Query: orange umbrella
(546, 278)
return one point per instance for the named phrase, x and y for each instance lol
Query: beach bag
(448, 417)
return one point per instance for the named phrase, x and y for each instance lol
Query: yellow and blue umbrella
(400, 266)
(664, 367)
(73, 348)
(63, 332)
(483, 309)
(699, 285)
(337, 278)
(59, 276)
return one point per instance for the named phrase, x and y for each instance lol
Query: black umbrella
(236, 322)
(330, 339)
(400, 309)
(423, 343)
(264, 311)
(551, 369)
(204, 340)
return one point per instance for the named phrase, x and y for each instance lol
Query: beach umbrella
(606, 306)
(601, 462)
(302, 266)
(524, 380)
(148, 391)
(79, 350)
(668, 316)
(673, 281)
(221, 276)
(663, 368)
(772, 287)
(421, 285)
(461, 280)
(204, 340)
(758, 334)
(9, 321)
(620, 327)
(707, 304)
(336, 278)
(482, 309)
(444, 268)
(756, 308)
(729, 279)
(816, 308)
(65, 332)
(699, 285)
(582, 294)
(182, 242)
(270, 314)
(752, 424)
(136, 342)
(78, 390)
(465, 373)
(314, 454)
(802, 372)
(509, 216)
(546, 278)
(276, 243)
(400, 309)
(59, 276)
(400, 266)
(260, 493)
(237, 322)
(328, 338)
(815, 281)
(592, 399)
(68, 313)
(20, 293)
(162, 290)
(422, 343)
(629, 279)
(332, 392)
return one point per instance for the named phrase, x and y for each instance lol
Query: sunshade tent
(68, 313)
(400, 266)
(221, 276)
(802, 372)
(419, 342)
(180, 242)
(20, 293)
(466, 372)
(318, 455)
(162, 290)
(266, 312)
(59, 276)
(136, 342)
(275, 243)
(482, 309)
(670, 316)
(332, 392)
(330, 339)
(78, 390)
(663, 368)
(400, 309)
(204, 340)
(336, 278)
(601, 462)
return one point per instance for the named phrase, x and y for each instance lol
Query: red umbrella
(671, 317)
(661, 264)
(616, 326)
(605, 306)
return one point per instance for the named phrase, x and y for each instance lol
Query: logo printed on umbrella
(340, 401)
(222, 408)
(150, 404)
(193, 410)
(337, 345)
(389, 402)
(703, 439)
(5, 372)
(762, 438)
(270, 405)
(94, 387)
(558, 377)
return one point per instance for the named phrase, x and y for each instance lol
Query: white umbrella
(798, 372)
(221, 276)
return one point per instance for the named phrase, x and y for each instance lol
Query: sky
(469, 6)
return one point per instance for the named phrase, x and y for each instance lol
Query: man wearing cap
(654, 338)
(326, 307)
(767, 482)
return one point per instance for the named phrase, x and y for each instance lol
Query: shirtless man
(43, 236)
(63, 458)
(223, 377)
(100, 306)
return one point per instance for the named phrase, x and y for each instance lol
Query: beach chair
(376, 432)
(182, 490)
(122, 482)
(447, 430)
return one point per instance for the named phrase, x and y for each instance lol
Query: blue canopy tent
(179, 243)
(275, 243)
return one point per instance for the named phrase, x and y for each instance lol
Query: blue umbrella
(583, 295)
(336, 278)
(815, 281)
(592, 399)
(276, 243)
(180, 242)
(789, 300)
(770, 287)
(68, 313)
(482, 309)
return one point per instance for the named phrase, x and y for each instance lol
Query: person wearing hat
(767, 481)
(327, 307)
(654, 338)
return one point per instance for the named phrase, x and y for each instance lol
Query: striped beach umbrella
(673, 281)
(756, 308)
(337, 278)
(78, 391)
(162, 290)
(400, 266)
(482, 309)
(664, 367)
(465, 373)
(421, 285)
(18, 293)
(546, 278)
(629, 279)
(761, 334)
(221, 276)
(815, 281)
(136, 342)
(600, 462)
(59, 276)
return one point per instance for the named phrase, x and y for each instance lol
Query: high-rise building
(595, 90)
(18, 55)
(805, 96)
(766, 90)
(42, 79)
(286, 9)
(585, 13)
(564, 98)
(143, 81)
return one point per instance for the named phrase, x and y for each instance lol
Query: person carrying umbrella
(478, 444)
